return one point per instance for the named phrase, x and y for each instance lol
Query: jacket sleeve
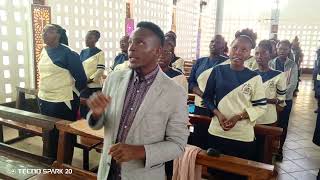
(192, 78)
(258, 101)
(98, 123)
(281, 88)
(176, 134)
(75, 68)
(293, 79)
(210, 93)
(100, 68)
(179, 64)
(272, 64)
(182, 81)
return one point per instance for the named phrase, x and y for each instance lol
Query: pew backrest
(188, 67)
(251, 169)
(25, 117)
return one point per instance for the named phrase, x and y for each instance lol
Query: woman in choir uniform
(177, 76)
(164, 62)
(235, 95)
(197, 81)
(275, 84)
(93, 61)
(250, 62)
(176, 62)
(61, 79)
(122, 57)
(201, 71)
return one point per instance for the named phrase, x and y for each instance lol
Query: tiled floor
(301, 156)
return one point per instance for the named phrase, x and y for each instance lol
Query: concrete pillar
(219, 17)
(275, 11)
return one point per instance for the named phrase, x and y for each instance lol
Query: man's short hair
(96, 33)
(154, 28)
(285, 42)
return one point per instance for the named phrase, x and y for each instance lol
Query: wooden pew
(21, 97)
(251, 169)
(69, 173)
(67, 128)
(23, 103)
(269, 132)
(85, 144)
(226, 163)
(271, 136)
(187, 67)
(30, 122)
(191, 98)
(14, 162)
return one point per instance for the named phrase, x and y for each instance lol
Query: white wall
(80, 16)
(253, 14)
(188, 12)
(207, 26)
(157, 11)
(301, 18)
(15, 47)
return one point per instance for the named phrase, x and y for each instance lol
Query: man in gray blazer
(144, 113)
(284, 64)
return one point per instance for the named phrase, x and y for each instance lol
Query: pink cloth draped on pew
(185, 168)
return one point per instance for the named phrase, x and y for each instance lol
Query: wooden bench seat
(251, 169)
(87, 144)
(80, 128)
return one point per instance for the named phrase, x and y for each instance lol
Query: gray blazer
(292, 75)
(160, 125)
